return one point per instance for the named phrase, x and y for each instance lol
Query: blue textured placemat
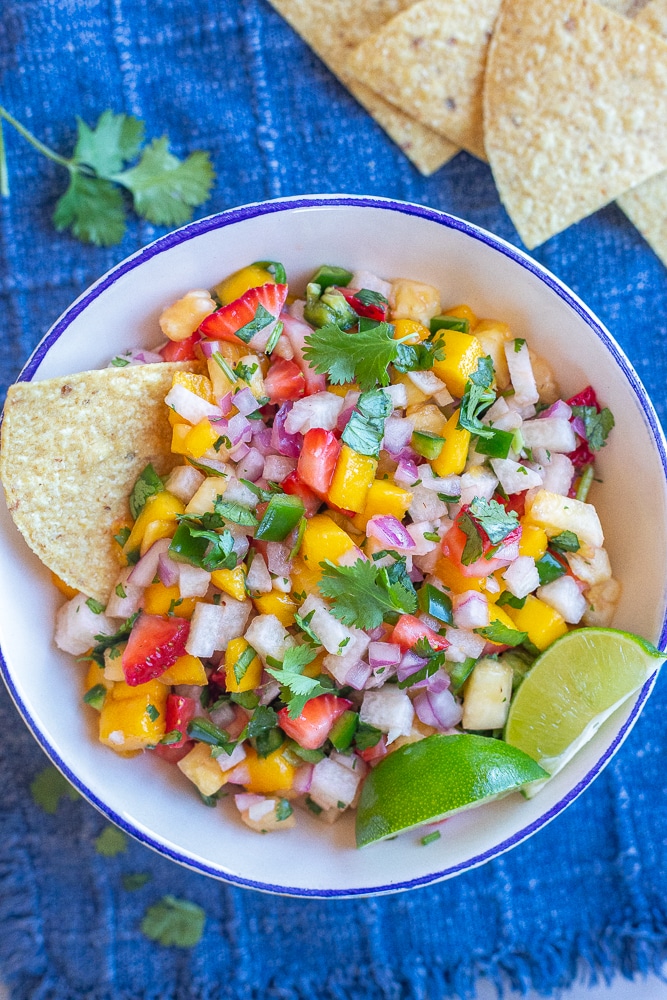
(586, 892)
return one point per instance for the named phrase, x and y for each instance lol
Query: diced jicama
(268, 637)
(213, 626)
(189, 405)
(553, 433)
(521, 373)
(77, 624)
(513, 476)
(192, 580)
(471, 609)
(521, 576)
(319, 410)
(341, 665)
(258, 579)
(333, 786)
(428, 382)
(239, 493)
(277, 468)
(418, 531)
(487, 696)
(557, 471)
(366, 279)
(463, 643)
(125, 597)
(397, 394)
(389, 710)
(601, 601)
(334, 636)
(478, 482)
(184, 481)
(556, 513)
(565, 597)
(426, 505)
(203, 500)
(590, 568)
(265, 814)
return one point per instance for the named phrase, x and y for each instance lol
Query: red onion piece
(384, 654)
(209, 347)
(261, 439)
(282, 442)
(406, 473)
(244, 800)
(409, 665)
(358, 675)
(344, 417)
(397, 434)
(388, 530)
(578, 427)
(558, 409)
(167, 570)
(277, 557)
(239, 451)
(251, 466)
(225, 404)
(144, 572)
(245, 402)
(239, 429)
(303, 778)
(438, 709)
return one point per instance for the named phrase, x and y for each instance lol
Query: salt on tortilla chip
(429, 60)
(646, 205)
(333, 29)
(71, 449)
(575, 104)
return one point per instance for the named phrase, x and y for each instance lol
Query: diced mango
(160, 600)
(542, 623)
(199, 384)
(202, 769)
(352, 479)
(278, 604)
(64, 588)
(187, 670)
(133, 718)
(534, 540)
(462, 312)
(383, 498)
(200, 438)
(452, 459)
(95, 676)
(452, 578)
(322, 539)
(154, 531)
(234, 286)
(411, 328)
(304, 579)
(429, 418)
(274, 773)
(252, 675)
(179, 433)
(462, 353)
(231, 581)
(163, 506)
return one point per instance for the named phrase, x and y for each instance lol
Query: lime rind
(435, 778)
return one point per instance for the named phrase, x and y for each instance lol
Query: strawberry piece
(408, 630)
(370, 310)
(284, 381)
(312, 727)
(247, 316)
(586, 397)
(174, 753)
(318, 458)
(181, 350)
(154, 645)
(293, 485)
(180, 711)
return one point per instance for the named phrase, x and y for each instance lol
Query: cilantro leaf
(93, 209)
(364, 430)
(148, 484)
(596, 425)
(164, 188)
(113, 142)
(499, 632)
(290, 675)
(477, 398)
(497, 522)
(566, 541)
(352, 357)
(232, 510)
(48, 787)
(366, 736)
(364, 595)
(174, 922)
(111, 842)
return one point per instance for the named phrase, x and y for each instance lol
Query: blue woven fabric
(587, 893)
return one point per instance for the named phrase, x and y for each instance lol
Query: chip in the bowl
(333, 28)
(71, 450)
(575, 101)
(429, 61)
(646, 205)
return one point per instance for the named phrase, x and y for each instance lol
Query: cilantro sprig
(597, 424)
(109, 167)
(477, 398)
(298, 688)
(365, 594)
(435, 659)
(489, 517)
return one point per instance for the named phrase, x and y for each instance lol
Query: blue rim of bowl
(241, 214)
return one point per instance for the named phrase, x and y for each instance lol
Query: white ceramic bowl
(153, 801)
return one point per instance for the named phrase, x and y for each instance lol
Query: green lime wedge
(426, 781)
(572, 687)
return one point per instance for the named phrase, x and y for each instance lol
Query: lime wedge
(426, 781)
(576, 683)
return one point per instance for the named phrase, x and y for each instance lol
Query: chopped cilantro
(364, 430)
(313, 806)
(366, 736)
(243, 662)
(304, 625)
(148, 484)
(477, 398)
(596, 425)
(435, 658)
(283, 810)
(566, 541)
(364, 594)
(122, 536)
(95, 606)
(504, 635)
(299, 688)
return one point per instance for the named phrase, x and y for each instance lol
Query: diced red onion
(303, 778)
(471, 610)
(261, 439)
(438, 709)
(239, 452)
(144, 572)
(278, 560)
(579, 427)
(225, 404)
(269, 692)
(251, 466)
(451, 485)
(281, 441)
(558, 409)
(397, 434)
(239, 428)
(141, 357)
(388, 530)
(209, 347)
(245, 800)
(358, 675)
(344, 417)
(384, 654)
(416, 575)
(376, 634)
(409, 665)
(245, 402)
(167, 570)
(406, 472)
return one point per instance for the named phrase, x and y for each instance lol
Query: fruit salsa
(378, 522)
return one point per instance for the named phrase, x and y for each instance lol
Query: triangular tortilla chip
(646, 205)
(575, 105)
(429, 61)
(70, 452)
(333, 28)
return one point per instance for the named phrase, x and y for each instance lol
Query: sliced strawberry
(370, 310)
(180, 711)
(586, 397)
(408, 630)
(373, 754)
(296, 488)
(313, 726)
(154, 645)
(181, 350)
(174, 753)
(318, 458)
(454, 543)
(247, 316)
(284, 381)
(515, 502)
(297, 331)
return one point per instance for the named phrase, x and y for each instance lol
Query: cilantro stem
(33, 140)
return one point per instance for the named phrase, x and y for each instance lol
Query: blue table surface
(587, 892)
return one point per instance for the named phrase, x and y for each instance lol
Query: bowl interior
(392, 240)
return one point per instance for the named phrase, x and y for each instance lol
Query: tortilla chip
(333, 28)
(646, 205)
(575, 101)
(429, 60)
(70, 452)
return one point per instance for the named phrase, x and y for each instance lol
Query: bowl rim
(252, 210)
